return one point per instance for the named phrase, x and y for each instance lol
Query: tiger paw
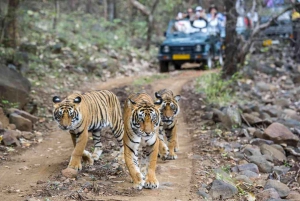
(151, 183)
(87, 158)
(172, 157)
(139, 185)
(75, 163)
(176, 149)
(69, 173)
(96, 154)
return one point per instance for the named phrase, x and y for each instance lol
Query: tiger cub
(88, 112)
(141, 123)
(168, 111)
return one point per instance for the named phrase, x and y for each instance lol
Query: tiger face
(145, 118)
(169, 109)
(67, 112)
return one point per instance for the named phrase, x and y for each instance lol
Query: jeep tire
(164, 66)
(177, 66)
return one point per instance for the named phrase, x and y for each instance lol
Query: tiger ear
(157, 95)
(77, 99)
(56, 99)
(158, 102)
(132, 102)
(177, 98)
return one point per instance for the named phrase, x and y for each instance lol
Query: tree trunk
(56, 14)
(11, 35)
(111, 10)
(89, 6)
(105, 9)
(231, 41)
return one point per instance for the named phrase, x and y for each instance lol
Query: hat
(198, 8)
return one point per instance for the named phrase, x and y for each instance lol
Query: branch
(141, 7)
(154, 6)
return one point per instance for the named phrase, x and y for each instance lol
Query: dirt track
(48, 158)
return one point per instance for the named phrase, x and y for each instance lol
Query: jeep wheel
(177, 66)
(164, 66)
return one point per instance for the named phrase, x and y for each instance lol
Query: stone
(28, 135)
(249, 174)
(14, 88)
(8, 138)
(290, 114)
(69, 173)
(251, 119)
(12, 127)
(24, 114)
(280, 134)
(270, 110)
(263, 164)
(272, 151)
(281, 170)
(259, 142)
(293, 196)
(243, 178)
(251, 130)
(249, 166)
(266, 194)
(3, 118)
(222, 190)
(262, 86)
(258, 133)
(282, 102)
(21, 123)
(229, 116)
(282, 189)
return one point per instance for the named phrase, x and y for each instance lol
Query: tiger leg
(172, 139)
(132, 164)
(163, 148)
(151, 181)
(97, 145)
(118, 132)
(77, 153)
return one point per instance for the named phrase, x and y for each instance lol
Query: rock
(12, 127)
(249, 174)
(272, 151)
(28, 135)
(281, 170)
(293, 196)
(9, 138)
(270, 110)
(266, 194)
(203, 194)
(258, 133)
(290, 114)
(69, 172)
(251, 119)
(229, 116)
(251, 130)
(259, 141)
(243, 178)
(282, 189)
(249, 166)
(222, 190)
(3, 118)
(281, 134)
(24, 114)
(21, 123)
(14, 88)
(282, 102)
(290, 123)
(262, 86)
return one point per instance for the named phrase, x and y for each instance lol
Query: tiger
(141, 123)
(168, 111)
(81, 113)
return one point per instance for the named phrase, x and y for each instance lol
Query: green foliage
(215, 88)
(7, 104)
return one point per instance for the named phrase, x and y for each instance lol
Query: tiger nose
(148, 133)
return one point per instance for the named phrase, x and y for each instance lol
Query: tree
(10, 29)
(56, 14)
(150, 18)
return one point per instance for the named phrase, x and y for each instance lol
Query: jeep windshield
(186, 27)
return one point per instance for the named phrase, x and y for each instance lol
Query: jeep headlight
(166, 49)
(198, 48)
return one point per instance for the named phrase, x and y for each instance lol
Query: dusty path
(38, 163)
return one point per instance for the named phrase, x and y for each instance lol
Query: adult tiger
(141, 123)
(169, 111)
(88, 112)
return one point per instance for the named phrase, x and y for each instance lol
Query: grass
(215, 88)
(142, 81)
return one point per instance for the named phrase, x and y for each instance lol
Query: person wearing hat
(200, 13)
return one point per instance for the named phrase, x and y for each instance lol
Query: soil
(36, 171)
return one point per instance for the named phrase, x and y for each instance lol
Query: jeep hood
(174, 41)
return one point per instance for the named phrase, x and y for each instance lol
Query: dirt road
(19, 176)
